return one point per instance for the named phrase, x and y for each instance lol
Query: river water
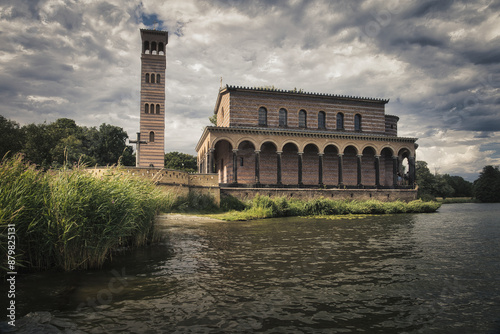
(411, 273)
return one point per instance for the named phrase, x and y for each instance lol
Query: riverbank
(265, 207)
(67, 219)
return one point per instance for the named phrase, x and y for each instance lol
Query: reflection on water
(381, 274)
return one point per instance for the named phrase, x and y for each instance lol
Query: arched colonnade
(350, 163)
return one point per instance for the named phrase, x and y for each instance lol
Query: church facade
(269, 138)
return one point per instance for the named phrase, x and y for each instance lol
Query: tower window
(357, 122)
(340, 121)
(146, 108)
(146, 47)
(283, 115)
(151, 137)
(321, 120)
(147, 78)
(262, 116)
(302, 119)
(152, 78)
(158, 78)
(153, 48)
(160, 48)
(157, 108)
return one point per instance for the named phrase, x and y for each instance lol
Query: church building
(270, 138)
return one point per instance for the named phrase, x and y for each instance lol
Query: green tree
(213, 119)
(461, 187)
(180, 161)
(11, 137)
(107, 144)
(425, 180)
(487, 186)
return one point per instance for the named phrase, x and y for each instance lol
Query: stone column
(377, 170)
(279, 166)
(235, 165)
(257, 166)
(300, 168)
(359, 163)
(412, 174)
(207, 159)
(341, 164)
(211, 161)
(320, 169)
(395, 165)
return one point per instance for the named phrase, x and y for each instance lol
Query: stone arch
(268, 162)
(310, 164)
(146, 47)
(289, 141)
(218, 139)
(268, 141)
(330, 164)
(404, 155)
(368, 165)
(289, 162)
(249, 139)
(350, 164)
(386, 166)
(223, 158)
(245, 158)
(350, 144)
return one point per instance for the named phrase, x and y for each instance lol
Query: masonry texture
(268, 138)
(180, 182)
(152, 109)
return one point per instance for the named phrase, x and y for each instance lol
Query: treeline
(485, 189)
(63, 143)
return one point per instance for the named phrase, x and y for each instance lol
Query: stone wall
(385, 195)
(180, 182)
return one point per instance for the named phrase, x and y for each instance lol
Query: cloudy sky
(438, 61)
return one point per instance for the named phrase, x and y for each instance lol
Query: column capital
(395, 157)
(300, 153)
(235, 150)
(257, 151)
(359, 155)
(377, 156)
(212, 150)
(279, 152)
(321, 154)
(340, 154)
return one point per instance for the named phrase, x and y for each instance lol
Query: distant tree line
(63, 143)
(485, 189)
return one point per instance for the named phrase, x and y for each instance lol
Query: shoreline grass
(265, 207)
(69, 219)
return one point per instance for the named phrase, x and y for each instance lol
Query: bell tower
(151, 142)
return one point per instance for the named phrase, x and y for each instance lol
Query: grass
(68, 219)
(266, 207)
(449, 200)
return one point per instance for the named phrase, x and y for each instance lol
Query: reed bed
(68, 219)
(266, 207)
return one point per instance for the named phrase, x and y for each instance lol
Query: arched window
(151, 137)
(147, 78)
(158, 78)
(157, 108)
(160, 47)
(321, 120)
(152, 78)
(153, 48)
(262, 116)
(357, 122)
(283, 115)
(340, 121)
(302, 119)
(146, 47)
(146, 108)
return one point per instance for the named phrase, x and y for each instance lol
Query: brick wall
(244, 106)
(355, 194)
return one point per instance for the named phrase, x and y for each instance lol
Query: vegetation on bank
(68, 219)
(266, 207)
